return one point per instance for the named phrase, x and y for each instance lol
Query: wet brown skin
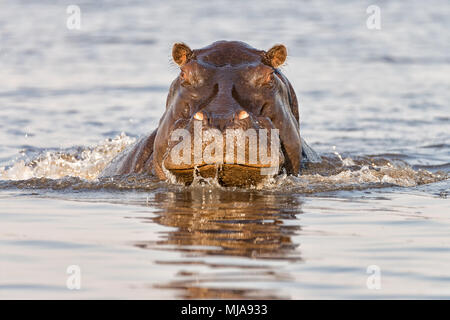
(217, 85)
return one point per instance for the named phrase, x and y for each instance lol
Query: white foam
(86, 164)
(367, 176)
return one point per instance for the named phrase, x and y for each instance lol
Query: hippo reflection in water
(225, 87)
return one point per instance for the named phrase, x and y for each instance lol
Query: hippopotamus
(225, 87)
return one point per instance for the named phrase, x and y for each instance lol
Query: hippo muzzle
(224, 143)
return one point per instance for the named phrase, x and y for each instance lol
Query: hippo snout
(228, 120)
(218, 144)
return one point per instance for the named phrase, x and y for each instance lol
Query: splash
(79, 169)
(336, 173)
(84, 163)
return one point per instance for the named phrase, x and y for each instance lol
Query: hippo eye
(184, 78)
(268, 78)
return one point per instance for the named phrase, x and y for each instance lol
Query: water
(373, 103)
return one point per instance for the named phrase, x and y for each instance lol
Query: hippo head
(223, 89)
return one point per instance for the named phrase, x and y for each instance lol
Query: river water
(372, 221)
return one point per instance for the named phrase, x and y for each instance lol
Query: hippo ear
(181, 53)
(276, 56)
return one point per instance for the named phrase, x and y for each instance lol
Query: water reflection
(239, 236)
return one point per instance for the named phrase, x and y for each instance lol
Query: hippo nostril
(198, 116)
(243, 115)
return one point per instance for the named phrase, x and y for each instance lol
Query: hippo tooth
(198, 116)
(243, 115)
